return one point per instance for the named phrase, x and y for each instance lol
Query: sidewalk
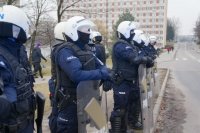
(165, 57)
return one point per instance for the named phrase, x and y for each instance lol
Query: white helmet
(75, 24)
(125, 28)
(153, 40)
(140, 36)
(15, 20)
(95, 36)
(59, 31)
(137, 36)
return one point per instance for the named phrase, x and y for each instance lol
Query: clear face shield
(85, 26)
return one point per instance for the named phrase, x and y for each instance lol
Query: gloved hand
(107, 85)
(149, 60)
(105, 73)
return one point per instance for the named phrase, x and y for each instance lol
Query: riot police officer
(125, 60)
(96, 46)
(74, 62)
(144, 47)
(152, 43)
(17, 100)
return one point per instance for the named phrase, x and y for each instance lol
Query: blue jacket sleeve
(9, 88)
(73, 67)
(125, 52)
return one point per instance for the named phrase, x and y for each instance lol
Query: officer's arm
(128, 53)
(8, 87)
(103, 50)
(5, 105)
(73, 67)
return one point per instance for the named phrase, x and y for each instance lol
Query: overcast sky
(187, 11)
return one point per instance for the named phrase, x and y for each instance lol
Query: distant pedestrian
(36, 59)
(172, 48)
(168, 50)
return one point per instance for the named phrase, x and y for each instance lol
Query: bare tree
(197, 30)
(45, 32)
(11, 2)
(173, 26)
(101, 27)
(37, 9)
(63, 6)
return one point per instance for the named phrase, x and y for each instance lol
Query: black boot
(136, 125)
(115, 125)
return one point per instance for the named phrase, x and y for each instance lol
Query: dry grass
(43, 88)
(46, 67)
(109, 62)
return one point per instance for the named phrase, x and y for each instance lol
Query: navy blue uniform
(100, 52)
(73, 71)
(125, 61)
(9, 94)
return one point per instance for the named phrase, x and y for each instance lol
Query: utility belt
(120, 76)
(20, 124)
(65, 98)
(26, 106)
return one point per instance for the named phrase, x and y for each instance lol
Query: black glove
(149, 60)
(107, 85)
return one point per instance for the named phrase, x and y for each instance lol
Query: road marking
(199, 61)
(177, 58)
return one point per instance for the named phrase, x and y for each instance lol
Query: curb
(156, 109)
(159, 100)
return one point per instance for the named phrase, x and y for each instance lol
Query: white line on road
(177, 58)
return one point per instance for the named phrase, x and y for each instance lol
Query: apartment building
(151, 14)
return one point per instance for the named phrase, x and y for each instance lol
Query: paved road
(186, 73)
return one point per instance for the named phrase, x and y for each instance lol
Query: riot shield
(88, 108)
(150, 86)
(143, 97)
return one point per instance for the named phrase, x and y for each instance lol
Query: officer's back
(17, 101)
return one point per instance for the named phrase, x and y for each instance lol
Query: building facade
(151, 14)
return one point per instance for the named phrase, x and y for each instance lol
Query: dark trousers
(37, 67)
(127, 100)
(67, 120)
(27, 127)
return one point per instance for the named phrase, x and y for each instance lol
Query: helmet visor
(85, 26)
